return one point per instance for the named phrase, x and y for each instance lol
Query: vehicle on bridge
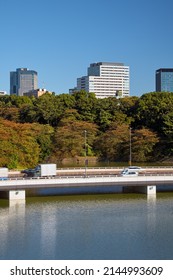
(3, 173)
(131, 171)
(41, 170)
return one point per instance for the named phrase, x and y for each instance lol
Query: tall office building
(105, 79)
(22, 80)
(164, 79)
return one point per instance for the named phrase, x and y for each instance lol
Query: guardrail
(85, 176)
(113, 167)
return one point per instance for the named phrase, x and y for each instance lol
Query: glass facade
(22, 81)
(164, 80)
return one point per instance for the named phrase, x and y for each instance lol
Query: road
(101, 171)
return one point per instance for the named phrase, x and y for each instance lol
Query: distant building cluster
(108, 79)
(24, 82)
(105, 79)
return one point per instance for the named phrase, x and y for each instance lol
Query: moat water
(93, 227)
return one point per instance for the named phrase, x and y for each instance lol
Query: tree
(18, 145)
(108, 111)
(143, 143)
(24, 145)
(113, 145)
(85, 103)
(152, 108)
(10, 113)
(69, 138)
(43, 135)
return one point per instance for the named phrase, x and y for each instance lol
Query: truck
(41, 170)
(3, 173)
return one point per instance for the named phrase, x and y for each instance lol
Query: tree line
(54, 127)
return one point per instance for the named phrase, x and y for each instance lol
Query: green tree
(152, 108)
(109, 111)
(85, 103)
(50, 108)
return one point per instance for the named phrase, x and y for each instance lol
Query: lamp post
(85, 153)
(130, 146)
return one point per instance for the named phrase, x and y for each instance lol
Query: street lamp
(130, 146)
(86, 162)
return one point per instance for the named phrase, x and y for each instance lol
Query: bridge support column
(149, 190)
(17, 196)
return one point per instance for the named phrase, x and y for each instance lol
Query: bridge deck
(13, 184)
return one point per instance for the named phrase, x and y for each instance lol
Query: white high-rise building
(106, 79)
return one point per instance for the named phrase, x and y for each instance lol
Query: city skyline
(62, 37)
(161, 84)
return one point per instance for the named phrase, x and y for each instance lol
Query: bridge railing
(88, 176)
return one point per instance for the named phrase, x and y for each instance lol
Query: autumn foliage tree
(143, 142)
(52, 127)
(69, 138)
(113, 145)
(22, 145)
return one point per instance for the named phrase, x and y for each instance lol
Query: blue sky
(60, 38)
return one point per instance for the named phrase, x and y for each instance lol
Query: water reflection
(114, 226)
(49, 223)
(3, 231)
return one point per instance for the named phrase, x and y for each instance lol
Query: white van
(129, 172)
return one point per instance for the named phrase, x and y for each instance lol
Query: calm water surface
(112, 226)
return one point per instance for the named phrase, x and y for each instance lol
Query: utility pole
(85, 153)
(130, 146)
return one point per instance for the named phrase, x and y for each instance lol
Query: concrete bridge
(16, 187)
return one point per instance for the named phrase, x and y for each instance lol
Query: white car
(129, 173)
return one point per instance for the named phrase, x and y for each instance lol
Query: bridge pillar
(149, 190)
(17, 196)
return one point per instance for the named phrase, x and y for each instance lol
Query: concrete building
(164, 79)
(37, 92)
(22, 80)
(105, 79)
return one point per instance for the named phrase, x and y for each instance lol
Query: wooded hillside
(54, 127)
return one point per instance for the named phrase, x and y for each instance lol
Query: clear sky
(60, 38)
